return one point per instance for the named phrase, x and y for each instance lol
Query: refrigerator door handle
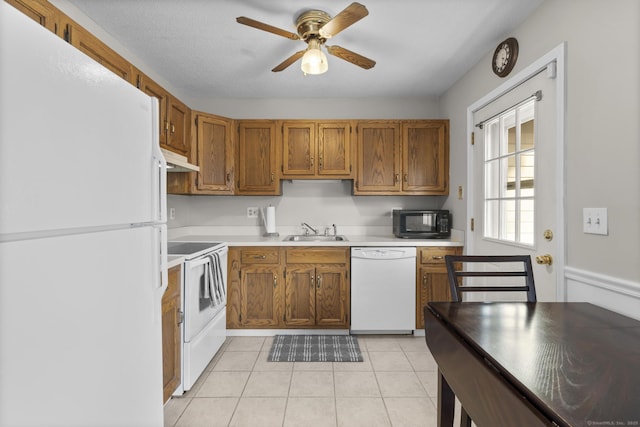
(159, 168)
(161, 279)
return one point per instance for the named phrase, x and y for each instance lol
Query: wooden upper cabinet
(425, 157)
(151, 88)
(40, 11)
(215, 155)
(257, 158)
(178, 126)
(299, 152)
(378, 148)
(312, 149)
(403, 157)
(86, 42)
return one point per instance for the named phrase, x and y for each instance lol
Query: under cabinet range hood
(178, 163)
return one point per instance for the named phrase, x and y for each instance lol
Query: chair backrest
(457, 270)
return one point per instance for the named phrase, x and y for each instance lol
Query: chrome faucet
(335, 230)
(308, 227)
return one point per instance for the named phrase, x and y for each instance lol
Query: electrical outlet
(172, 213)
(252, 212)
(459, 192)
(595, 221)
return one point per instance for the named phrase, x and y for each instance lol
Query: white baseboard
(612, 293)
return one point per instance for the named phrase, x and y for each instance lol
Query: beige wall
(603, 111)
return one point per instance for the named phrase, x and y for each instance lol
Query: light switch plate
(595, 221)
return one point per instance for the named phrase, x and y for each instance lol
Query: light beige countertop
(201, 234)
(174, 260)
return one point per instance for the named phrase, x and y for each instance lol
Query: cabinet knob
(318, 281)
(406, 177)
(272, 177)
(311, 160)
(275, 281)
(396, 178)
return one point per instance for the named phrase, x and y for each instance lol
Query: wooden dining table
(535, 364)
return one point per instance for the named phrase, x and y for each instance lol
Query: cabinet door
(332, 296)
(378, 158)
(257, 158)
(40, 11)
(171, 339)
(178, 131)
(300, 295)
(425, 157)
(152, 88)
(298, 148)
(86, 42)
(259, 296)
(215, 155)
(433, 286)
(334, 149)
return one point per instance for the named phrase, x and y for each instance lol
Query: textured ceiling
(422, 47)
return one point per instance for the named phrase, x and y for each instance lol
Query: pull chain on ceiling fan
(314, 28)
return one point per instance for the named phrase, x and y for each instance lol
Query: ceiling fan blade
(352, 57)
(352, 14)
(290, 60)
(266, 27)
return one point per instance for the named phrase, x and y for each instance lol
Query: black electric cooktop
(189, 248)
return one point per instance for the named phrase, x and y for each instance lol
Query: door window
(509, 175)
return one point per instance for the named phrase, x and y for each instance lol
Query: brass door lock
(545, 259)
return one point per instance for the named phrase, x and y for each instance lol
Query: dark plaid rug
(315, 348)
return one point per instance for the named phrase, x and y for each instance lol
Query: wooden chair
(457, 272)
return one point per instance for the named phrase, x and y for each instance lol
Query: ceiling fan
(314, 28)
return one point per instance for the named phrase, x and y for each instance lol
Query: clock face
(504, 57)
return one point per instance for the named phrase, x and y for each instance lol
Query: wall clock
(505, 57)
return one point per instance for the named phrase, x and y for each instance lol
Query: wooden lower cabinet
(432, 283)
(316, 287)
(254, 287)
(277, 287)
(171, 339)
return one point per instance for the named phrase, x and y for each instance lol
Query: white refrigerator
(82, 238)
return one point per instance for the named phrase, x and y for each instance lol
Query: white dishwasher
(383, 290)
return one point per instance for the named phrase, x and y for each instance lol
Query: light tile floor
(394, 386)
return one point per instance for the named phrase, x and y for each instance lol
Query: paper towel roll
(271, 219)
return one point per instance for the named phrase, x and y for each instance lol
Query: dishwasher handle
(374, 253)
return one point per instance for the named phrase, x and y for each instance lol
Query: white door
(515, 182)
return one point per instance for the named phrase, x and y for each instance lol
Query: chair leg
(465, 419)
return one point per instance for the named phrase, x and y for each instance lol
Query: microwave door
(428, 220)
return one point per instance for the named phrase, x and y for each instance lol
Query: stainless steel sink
(313, 238)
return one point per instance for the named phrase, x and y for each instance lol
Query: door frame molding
(556, 56)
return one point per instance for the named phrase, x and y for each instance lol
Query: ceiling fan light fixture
(314, 61)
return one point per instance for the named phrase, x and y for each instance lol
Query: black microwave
(421, 224)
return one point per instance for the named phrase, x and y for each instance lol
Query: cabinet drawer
(260, 256)
(315, 255)
(435, 255)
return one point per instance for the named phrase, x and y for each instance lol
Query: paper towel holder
(266, 228)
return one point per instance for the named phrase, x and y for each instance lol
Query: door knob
(544, 259)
